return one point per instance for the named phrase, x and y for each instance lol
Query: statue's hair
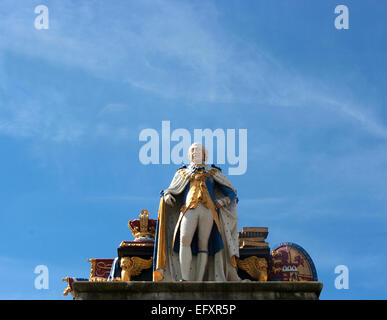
(196, 144)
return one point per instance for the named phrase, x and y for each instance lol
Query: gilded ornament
(255, 267)
(133, 266)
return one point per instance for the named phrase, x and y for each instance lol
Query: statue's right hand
(169, 199)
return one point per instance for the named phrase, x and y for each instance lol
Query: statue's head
(197, 153)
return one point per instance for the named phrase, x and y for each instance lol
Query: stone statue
(197, 228)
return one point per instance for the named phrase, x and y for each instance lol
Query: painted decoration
(290, 262)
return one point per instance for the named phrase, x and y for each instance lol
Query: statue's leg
(204, 229)
(187, 230)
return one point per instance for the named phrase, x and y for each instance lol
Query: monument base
(209, 290)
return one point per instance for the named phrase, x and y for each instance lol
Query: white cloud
(126, 198)
(173, 49)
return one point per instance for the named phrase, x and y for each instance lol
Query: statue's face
(197, 155)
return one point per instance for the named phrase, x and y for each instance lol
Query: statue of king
(197, 228)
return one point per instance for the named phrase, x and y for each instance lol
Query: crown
(143, 227)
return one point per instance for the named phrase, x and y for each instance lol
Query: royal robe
(223, 242)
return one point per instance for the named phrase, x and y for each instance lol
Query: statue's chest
(200, 187)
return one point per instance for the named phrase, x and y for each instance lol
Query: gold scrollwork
(255, 267)
(133, 266)
(134, 244)
(98, 279)
(98, 268)
(68, 289)
(92, 267)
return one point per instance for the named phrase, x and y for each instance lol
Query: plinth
(208, 290)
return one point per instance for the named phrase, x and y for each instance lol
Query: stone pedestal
(209, 290)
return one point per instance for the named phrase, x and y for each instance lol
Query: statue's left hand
(220, 203)
(169, 200)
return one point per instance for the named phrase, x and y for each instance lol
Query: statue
(197, 228)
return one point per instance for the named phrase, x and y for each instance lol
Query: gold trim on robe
(161, 258)
(198, 192)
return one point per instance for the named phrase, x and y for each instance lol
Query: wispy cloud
(125, 198)
(173, 49)
(264, 201)
(359, 114)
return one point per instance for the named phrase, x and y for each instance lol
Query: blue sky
(74, 98)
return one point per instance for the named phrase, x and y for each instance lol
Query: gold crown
(143, 227)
